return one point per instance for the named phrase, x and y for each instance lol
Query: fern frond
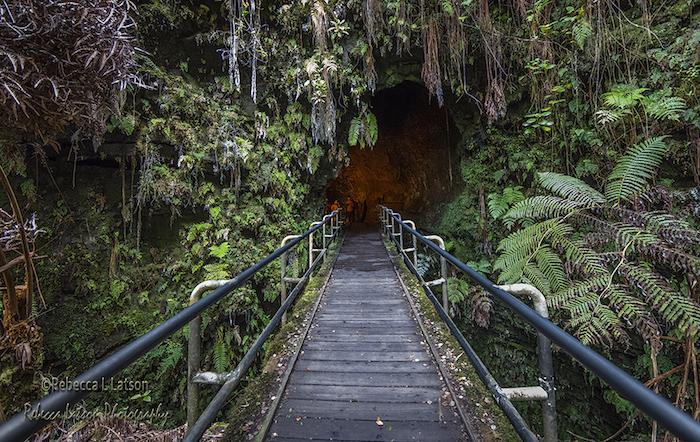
(371, 129)
(636, 168)
(171, 358)
(670, 228)
(581, 32)
(666, 108)
(552, 268)
(519, 248)
(570, 188)
(532, 274)
(605, 117)
(562, 298)
(582, 258)
(221, 354)
(540, 207)
(623, 96)
(354, 132)
(673, 306)
(627, 306)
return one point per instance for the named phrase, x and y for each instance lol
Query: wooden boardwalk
(364, 373)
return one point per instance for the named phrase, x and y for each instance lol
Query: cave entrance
(410, 167)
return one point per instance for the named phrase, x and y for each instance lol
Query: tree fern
(570, 188)
(632, 174)
(520, 248)
(602, 274)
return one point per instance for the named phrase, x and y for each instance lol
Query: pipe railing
(22, 425)
(652, 404)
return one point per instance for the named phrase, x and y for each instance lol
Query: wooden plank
(365, 316)
(350, 330)
(362, 410)
(332, 429)
(366, 379)
(362, 346)
(330, 355)
(391, 324)
(364, 394)
(376, 339)
(364, 367)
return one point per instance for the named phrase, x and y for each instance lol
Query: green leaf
(219, 251)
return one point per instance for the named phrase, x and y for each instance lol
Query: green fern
(571, 188)
(623, 96)
(172, 355)
(581, 32)
(354, 132)
(665, 108)
(371, 129)
(610, 287)
(363, 130)
(540, 207)
(221, 356)
(632, 174)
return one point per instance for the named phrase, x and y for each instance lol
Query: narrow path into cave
(363, 372)
(410, 166)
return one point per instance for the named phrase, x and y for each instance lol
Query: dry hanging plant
(495, 102)
(456, 45)
(431, 72)
(373, 18)
(63, 62)
(319, 20)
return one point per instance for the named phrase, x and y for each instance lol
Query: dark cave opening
(410, 168)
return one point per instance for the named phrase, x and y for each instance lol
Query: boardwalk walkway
(364, 373)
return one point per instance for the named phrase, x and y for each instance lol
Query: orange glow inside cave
(409, 166)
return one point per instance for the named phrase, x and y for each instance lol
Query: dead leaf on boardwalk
(379, 422)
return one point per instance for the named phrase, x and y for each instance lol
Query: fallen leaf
(379, 422)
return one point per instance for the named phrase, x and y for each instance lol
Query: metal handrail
(20, 426)
(651, 403)
(501, 399)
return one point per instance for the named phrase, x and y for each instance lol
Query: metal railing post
(544, 359)
(194, 349)
(443, 273)
(283, 276)
(311, 244)
(414, 247)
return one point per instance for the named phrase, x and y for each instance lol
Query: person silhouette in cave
(363, 211)
(349, 210)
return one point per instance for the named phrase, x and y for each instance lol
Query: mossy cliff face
(240, 141)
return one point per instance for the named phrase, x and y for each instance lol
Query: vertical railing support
(544, 359)
(443, 274)
(194, 349)
(283, 276)
(413, 248)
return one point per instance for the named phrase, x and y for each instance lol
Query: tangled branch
(64, 62)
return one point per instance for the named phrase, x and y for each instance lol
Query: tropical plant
(363, 130)
(606, 260)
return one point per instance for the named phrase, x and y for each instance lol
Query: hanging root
(495, 102)
(431, 72)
